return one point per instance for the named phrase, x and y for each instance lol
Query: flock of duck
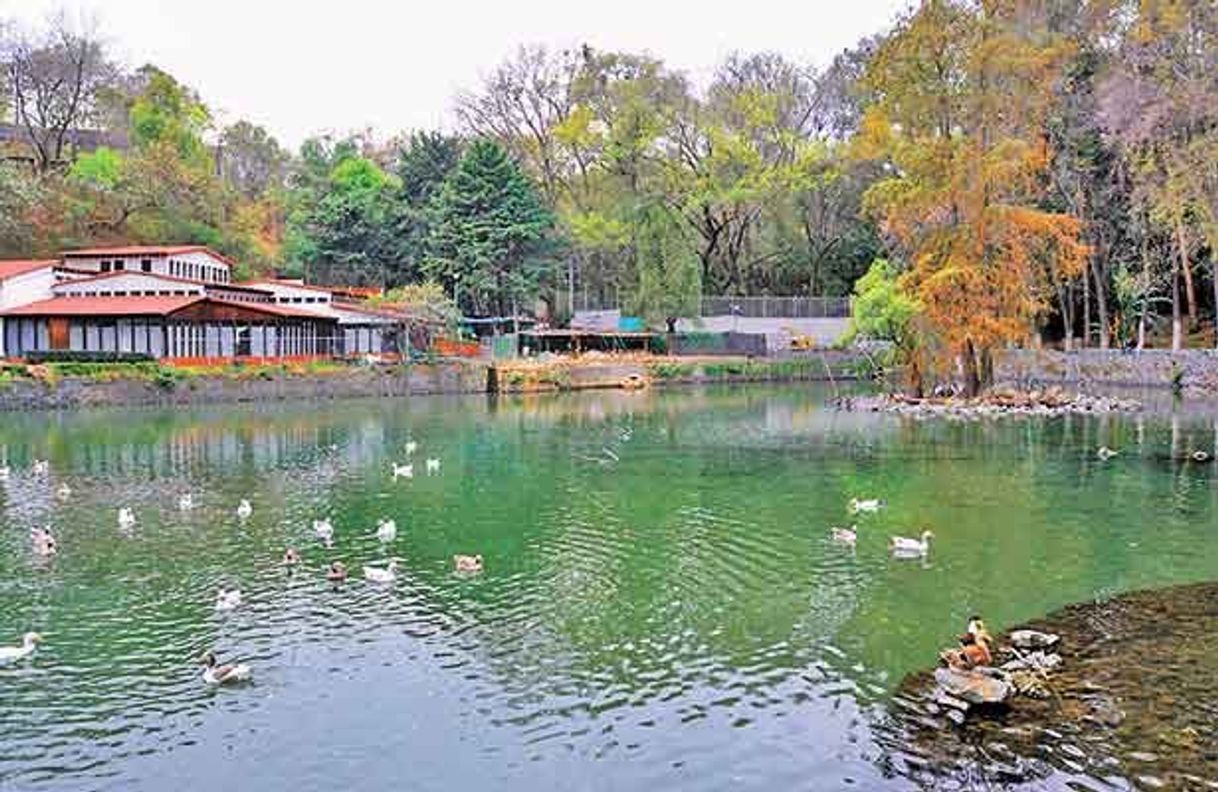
(899, 546)
(44, 544)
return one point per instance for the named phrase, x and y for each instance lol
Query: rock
(974, 687)
(1143, 756)
(1032, 639)
(956, 717)
(1030, 684)
(1034, 661)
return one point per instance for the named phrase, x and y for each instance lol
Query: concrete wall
(1149, 368)
(386, 382)
(778, 331)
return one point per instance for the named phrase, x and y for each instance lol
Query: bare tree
(52, 81)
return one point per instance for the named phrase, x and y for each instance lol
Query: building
(176, 303)
(362, 330)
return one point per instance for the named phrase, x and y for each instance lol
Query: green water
(661, 605)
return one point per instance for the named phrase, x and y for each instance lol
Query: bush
(78, 356)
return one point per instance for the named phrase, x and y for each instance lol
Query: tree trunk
(1177, 328)
(1190, 290)
(972, 381)
(1101, 306)
(1214, 277)
(1086, 338)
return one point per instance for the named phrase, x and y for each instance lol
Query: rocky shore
(995, 404)
(1123, 695)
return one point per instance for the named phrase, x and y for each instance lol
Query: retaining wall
(1198, 368)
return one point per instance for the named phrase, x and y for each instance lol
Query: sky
(302, 67)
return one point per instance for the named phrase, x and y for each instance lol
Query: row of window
(299, 300)
(194, 271)
(118, 265)
(135, 293)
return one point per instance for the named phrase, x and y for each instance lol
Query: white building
(21, 283)
(191, 262)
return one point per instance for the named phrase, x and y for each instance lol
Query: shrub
(79, 356)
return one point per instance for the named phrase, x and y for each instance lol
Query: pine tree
(489, 232)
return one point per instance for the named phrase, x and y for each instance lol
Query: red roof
(146, 250)
(143, 306)
(11, 269)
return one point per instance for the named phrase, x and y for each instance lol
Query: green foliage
(669, 272)
(489, 230)
(102, 168)
(881, 309)
(427, 300)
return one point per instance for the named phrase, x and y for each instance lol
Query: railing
(722, 305)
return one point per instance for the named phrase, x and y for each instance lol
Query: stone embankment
(1192, 370)
(997, 403)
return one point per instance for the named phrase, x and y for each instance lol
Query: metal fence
(722, 305)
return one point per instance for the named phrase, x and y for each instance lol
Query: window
(120, 265)
(105, 266)
(146, 265)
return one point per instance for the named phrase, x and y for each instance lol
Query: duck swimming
(403, 471)
(903, 546)
(1105, 453)
(845, 535)
(433, 466)
(126, 517)
(244, 509)
(411, 447)
(386, 530)
(228, 599)
(41, 467)
(468, 563)
(29, 641)
(324, 531)
(216, 674)
(337, 573)
(869, 505)
(43, 541)
(386, 574)
(186, 502)
(64, 491)
(290, 557)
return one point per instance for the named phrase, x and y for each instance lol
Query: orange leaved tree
(959, 94)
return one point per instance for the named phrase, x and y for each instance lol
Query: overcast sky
(299, 67)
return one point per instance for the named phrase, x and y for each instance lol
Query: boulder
(974, 687)
(1034, 661)
(1031, 639)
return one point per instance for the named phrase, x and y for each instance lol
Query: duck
(901, 545)
(411, 447)
(977, 627)
(386, 574)
(1105, 453)
(216, 674)
(974, 651)
(290, 557)
(228, 599)
(403, 471)
(1200, 456)
(468, 563)
(869, 505)
(126, 517)
(186, 502)
(29, 641)
(41, 467)
(845, 535)
(244, 509)
(433, 466)
(386, 530)
(64, 491)
(337, 573)
(5, 472)
(43, 541)
(324, 531)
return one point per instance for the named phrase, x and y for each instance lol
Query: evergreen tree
(489, 230)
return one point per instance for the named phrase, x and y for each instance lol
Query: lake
(661, 605)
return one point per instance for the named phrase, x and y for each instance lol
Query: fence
(722, 305)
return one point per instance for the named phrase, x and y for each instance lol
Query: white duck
(41, 467)
(228, 599)
(386, 574)
(845, 535)
(433, 466)
(10, 654)
(186, 502)
(403, 471)
(411, 447)
(215, 674)
(43, 541)
(244, 509)
(468, 563)
(126, 517)
(904, 546)
(869, 505)
(324, 531)
(5, 472)
(64, 491)
(386, 530)
(1105, 453)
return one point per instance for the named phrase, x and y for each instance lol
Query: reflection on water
(661, 603)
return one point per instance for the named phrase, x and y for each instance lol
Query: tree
(251, 160)
(960, 94)
(51, 82)
(489, 232)
(669, 281)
